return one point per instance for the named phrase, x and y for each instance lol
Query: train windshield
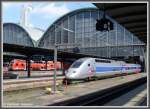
(76, 64)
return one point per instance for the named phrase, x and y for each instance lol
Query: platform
(39, 97)
(27, 83)
(42, 73)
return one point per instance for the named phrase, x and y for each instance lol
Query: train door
(91, 69)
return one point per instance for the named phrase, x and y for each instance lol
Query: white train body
(89, 67)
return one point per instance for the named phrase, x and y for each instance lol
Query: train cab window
(89, 65)
(76, 64)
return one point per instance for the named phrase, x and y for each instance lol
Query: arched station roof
(15, 34)
(20, 35)
(82, 23)
(56, 22)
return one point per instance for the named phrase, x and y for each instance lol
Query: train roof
(85, 58)
(112, 60)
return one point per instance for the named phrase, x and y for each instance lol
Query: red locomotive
(18, 64)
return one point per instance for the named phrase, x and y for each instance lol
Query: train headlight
(66, 71)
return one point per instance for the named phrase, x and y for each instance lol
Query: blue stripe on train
(105, 69)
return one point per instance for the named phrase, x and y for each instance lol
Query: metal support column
(116, 41)
(144, 58)
(46, 64)
(62, 66)
(28, 67)
(107, 43)
(55, 70)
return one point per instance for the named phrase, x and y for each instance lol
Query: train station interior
(127, 41)
(76, 35)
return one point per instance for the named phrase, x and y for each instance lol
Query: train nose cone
(68, 76)
(71, 75)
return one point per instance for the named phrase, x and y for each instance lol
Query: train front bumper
(71, 75)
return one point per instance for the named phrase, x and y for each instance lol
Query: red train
(18, 64)
(37, 65)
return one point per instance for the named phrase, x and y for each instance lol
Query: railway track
(102, 97)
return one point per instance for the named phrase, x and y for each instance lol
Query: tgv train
(94, 67)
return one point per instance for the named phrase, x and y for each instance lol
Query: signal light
(104, 25)
(76, 50)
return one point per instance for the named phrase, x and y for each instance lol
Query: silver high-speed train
(94, 67)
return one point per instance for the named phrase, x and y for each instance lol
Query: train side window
(102, 61)
(88, 64)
